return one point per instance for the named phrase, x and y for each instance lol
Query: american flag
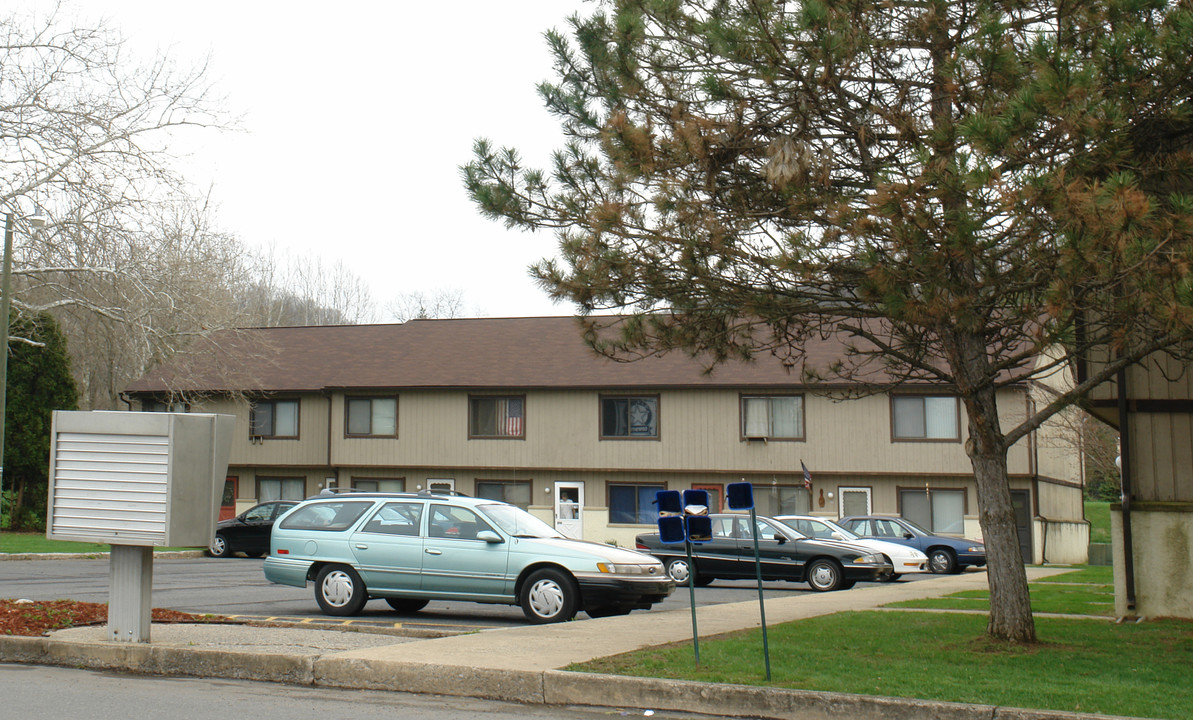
(513, 417)
(807, 476)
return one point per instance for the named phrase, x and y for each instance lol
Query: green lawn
(1080, 665)
(1089, 591)
(13, 543)
(1098, 515)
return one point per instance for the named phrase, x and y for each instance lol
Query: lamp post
(5, 307)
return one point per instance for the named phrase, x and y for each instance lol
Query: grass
(1089, 591)
(13, 542)
(1098, 515)
(1078, 665)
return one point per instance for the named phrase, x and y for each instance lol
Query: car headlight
(630, 569)
(868, 560)
(975, 548)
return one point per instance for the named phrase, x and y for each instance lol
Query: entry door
(1021, 501)
(569, 509)
(854, 501)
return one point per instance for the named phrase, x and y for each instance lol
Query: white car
(903, 559)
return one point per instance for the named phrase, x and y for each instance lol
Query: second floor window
(773, 416)
(496, 417)
(274, 418)
(924, 417)
(376, 417)
(629, 417)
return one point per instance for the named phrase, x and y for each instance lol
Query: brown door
(1021, 501)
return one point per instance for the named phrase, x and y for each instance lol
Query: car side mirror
(780, 539)
(489, 536)
(908, 536)
(837, 536)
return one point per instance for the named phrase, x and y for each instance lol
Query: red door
(228, 501)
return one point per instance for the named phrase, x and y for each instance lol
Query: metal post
(761, 602)
(692, 595)
(5, 286)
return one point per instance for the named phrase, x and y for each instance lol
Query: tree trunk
(1010, 601)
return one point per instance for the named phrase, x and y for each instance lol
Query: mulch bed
(38, 618)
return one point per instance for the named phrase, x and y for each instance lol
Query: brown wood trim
(1146, 406)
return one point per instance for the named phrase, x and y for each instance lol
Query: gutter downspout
(330, 469)
(1124, 432)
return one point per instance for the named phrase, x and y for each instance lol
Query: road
(237, 586)
(43, 692)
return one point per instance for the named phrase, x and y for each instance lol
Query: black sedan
(785, 555)
(249, 531)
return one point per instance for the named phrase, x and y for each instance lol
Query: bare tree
(442, 303)
(302, 290)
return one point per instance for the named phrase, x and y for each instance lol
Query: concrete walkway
(519, 664)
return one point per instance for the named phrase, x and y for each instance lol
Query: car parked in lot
(946, 554)
(411, 548)
(248, 532)
(785, 554)
(903, 559)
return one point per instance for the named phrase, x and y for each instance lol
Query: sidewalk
(519, 664)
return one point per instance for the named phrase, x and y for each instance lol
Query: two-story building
(521, 410)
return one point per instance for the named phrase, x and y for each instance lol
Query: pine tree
(962, 187)
(39, 382)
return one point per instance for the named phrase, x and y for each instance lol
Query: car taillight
(283, 552)
(640, 546)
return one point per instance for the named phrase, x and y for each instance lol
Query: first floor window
(379, 484)
(924, 417)
(376, 417)
(274, 418)
(782, 500)
(281, 489)
(774, 416)
(629, 417)
(633, 504)
(941, 511)
(514, 492)
(496, 417)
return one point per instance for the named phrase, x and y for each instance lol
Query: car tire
(942, 561)
(219, 547)
(340, 591)
(825, 576)
(406, 606)
(887, 575)
(549, 596)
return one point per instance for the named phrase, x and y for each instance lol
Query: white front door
(853, 501)
(569, 509)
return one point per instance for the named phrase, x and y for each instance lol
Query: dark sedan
(785, 555)
(945, 554)
(249, 531)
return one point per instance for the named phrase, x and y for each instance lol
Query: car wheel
(679, 570)
(825, 575)
(219, 547)
(339, 590)
(893, 577)
(549, 596)
(406, 605)
(886, 575)
(942, 561)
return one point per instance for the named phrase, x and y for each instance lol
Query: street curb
(98, 555)
(533, 687)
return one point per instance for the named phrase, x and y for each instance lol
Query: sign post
(740, 496)
(685, 519)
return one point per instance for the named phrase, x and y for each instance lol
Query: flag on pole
(807, 476)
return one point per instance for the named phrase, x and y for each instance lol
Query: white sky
(358, 115)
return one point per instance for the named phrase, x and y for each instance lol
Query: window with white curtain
(371, 416)
(925, 417)
(773, 416)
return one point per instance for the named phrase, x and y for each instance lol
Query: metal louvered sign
(127, 478)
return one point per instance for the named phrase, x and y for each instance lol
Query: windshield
(517, 522)
(837, 528)
(916, 528)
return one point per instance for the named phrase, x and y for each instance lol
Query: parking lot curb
(535, 687)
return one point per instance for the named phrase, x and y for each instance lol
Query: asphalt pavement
(520, 664)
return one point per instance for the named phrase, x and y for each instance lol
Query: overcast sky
(357, 117)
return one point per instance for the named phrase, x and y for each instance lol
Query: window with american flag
(497, 416)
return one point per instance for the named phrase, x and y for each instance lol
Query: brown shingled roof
(468, 353)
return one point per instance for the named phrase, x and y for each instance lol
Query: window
(629, 417)
(514, 492)
(326, 516)
(941, 511)
(371, 417)
(496, 417)
(281, 489)
(396, 518)
(924, 417)
(379, 484)
(633, 504)
(274, 418)
(455, 522)
(164, 406)
(782, 500)
(774, 417)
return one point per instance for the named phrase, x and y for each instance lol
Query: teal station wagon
(411, 548)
